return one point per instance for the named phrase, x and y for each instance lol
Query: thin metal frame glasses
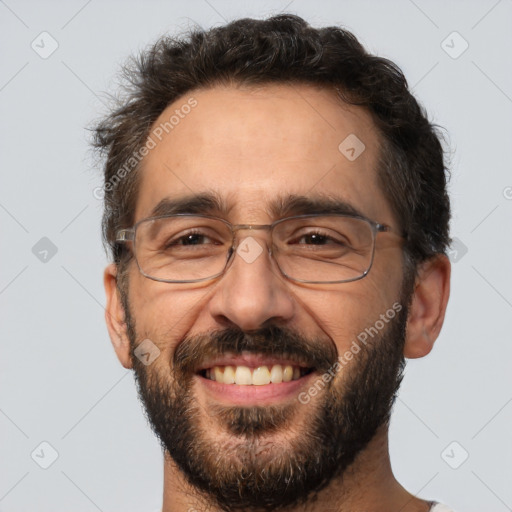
(341, 247)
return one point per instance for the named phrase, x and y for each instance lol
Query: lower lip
(254, 395)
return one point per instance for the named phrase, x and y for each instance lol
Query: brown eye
(196, 238)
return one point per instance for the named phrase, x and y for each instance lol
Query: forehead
(252, 147)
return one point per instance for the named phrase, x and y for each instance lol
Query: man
(276, 208)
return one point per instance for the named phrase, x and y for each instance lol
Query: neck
(367, 485)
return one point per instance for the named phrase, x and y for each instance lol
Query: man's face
(260, 444)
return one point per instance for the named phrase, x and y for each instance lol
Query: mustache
(270, 341)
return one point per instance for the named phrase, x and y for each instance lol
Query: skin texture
(251, 146)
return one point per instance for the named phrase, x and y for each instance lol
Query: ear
(428, 307)
(115, 317)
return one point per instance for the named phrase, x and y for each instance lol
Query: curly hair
(283, 49)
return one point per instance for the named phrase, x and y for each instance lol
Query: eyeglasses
(189, 248)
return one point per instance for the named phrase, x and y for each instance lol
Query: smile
(253, 379)
(258, 376)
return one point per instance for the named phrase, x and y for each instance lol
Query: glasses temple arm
(124, 235)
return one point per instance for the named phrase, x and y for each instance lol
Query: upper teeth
(245, 376)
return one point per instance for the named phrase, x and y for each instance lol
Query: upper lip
(251, 360)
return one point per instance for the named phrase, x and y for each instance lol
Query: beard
(278, 456)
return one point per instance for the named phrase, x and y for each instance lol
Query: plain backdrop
(60, 382)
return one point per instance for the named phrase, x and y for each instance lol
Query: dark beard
(248, 471)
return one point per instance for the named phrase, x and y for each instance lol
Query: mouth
(263, 375)
(253, 380)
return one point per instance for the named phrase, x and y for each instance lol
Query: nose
(252, 293)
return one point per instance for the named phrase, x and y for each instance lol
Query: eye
(317, 238)
(195, 238)
(192, 238)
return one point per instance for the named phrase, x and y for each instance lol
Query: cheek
(166, 314)
(161, 314)
(345, 313)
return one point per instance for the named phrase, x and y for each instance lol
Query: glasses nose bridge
(236, 239)
(249, 227)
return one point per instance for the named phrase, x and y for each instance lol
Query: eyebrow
(209, 203)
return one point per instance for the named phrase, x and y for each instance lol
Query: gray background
(60, 381)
